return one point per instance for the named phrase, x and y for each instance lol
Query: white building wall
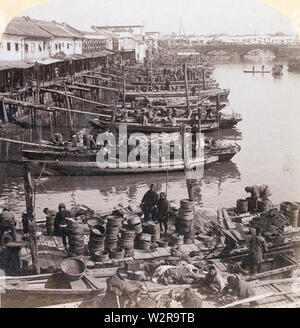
(11, 47)
(65, 45)
(36, 49)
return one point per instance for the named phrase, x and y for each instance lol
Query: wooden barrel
(263, 205)
(186, 204)
(113, 221)
(284, 206)
(177, 239)
(76, 238)
(292, 212)
(242, 205)
(298, 205)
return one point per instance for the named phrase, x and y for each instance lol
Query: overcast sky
(198, 16)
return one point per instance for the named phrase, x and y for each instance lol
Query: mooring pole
(186, 88)
(31, 217)
(189, 182)
(124, 87)
(218, 114)
(203, 79)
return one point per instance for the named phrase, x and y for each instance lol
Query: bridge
(243, 49)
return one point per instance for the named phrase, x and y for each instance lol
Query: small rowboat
(257, 72)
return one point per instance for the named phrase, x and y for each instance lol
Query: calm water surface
(268, 134)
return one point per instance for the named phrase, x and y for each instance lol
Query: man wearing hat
(149, 202)
(60, 224)
(163, 208)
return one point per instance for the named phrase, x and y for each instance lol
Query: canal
(268, 135)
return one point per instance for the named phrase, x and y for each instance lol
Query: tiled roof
(22, 26)
(54, 28)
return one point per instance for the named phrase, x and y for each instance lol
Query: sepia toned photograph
(150, 156)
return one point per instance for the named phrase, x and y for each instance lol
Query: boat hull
(132, 128)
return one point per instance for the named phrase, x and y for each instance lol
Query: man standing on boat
(257, 246)
(149, 202)
(258, 191)
(60, 224)
(163, 208)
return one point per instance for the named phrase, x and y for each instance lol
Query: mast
(189, 182)
(186, 88)
(31, 217)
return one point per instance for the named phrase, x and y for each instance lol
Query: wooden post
(124, 87)
(203, 79)
(68, 104)
(218, 114)
(199, 119)
(4, 112)
(189, 182)
(31, 217)
(186, 88)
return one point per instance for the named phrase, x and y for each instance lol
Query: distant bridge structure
(242, 49)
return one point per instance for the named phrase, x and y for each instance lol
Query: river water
(268, 135)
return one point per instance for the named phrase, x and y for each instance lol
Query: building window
(8, 46)
(56, 46)
(59, 46)
(68, 46)
(26, 47)
(17, 46)
(40, 48)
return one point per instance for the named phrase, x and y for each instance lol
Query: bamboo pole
(186, 88)
(31, 217)
(69, 107)
(203, 79)
(124, 88)
(186, 162)
(218, 114)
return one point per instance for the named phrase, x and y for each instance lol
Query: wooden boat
(257, 72)
(150, 128)
(210, 94)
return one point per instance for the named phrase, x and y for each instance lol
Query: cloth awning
(48, 61)
(6, 65)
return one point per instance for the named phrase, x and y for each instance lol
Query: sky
(197, 16)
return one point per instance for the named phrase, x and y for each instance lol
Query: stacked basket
(112, 232)
(134, 223)
(97, 239)
(144, 241)
(154, 230)
(76, 238)
(127, 241)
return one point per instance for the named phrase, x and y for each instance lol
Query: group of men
(156, 207)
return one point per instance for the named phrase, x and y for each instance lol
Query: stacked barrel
(112, 232)
(292, 211)
(154, 230)
(126, 241)
(185, 221)
(134, 223)
(97, 239)
(76, 238)
(144, 241)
